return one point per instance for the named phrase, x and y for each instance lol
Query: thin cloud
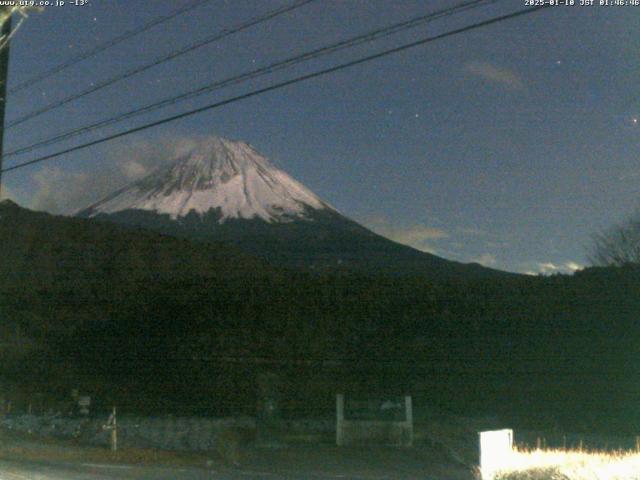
(418, 236)
(65, 192)
(134, 170)
(502, 76)
(472, 231)
(573, 266)
(134, 160)
(549, 268)
(9, 194)
(486, 259)
(6, 194)
(57, 190)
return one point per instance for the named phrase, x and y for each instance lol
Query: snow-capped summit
(220, 175)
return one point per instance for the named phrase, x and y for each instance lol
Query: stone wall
(170, 433)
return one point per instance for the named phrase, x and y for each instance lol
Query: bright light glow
(496, 449)
(570, 464)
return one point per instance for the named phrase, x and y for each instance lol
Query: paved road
(10, 470)
(291, 463)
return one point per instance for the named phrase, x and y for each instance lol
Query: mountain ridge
(226, 191)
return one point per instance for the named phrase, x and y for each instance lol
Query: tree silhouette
(618, 245)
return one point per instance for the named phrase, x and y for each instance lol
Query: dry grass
(570, 465)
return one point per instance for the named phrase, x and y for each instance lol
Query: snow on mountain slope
(216, 174)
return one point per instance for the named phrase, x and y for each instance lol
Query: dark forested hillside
(158, 324)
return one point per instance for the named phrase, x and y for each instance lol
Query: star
(635, 120)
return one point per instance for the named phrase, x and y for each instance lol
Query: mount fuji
(223, 190)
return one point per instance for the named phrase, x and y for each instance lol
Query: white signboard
(495, 449)
(84, 402)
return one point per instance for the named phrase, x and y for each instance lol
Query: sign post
(112, 425)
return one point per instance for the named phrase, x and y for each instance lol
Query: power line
(106, 45)
(286, 63)
(279, 85)
(165, 58)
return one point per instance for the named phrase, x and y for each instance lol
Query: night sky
(508, 145)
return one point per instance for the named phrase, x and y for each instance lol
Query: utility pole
(4, 73)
